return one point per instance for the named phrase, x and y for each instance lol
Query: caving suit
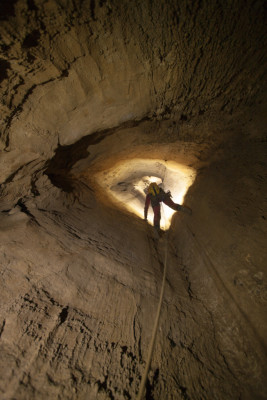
(155, 199)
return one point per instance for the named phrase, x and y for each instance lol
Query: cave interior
(98, 99)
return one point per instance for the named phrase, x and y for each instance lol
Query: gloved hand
(169, 194)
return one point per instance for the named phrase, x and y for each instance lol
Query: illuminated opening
(126, 185)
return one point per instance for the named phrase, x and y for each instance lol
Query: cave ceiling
(87, 84)
(72, 68)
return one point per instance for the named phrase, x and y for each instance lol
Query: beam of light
(126, 185)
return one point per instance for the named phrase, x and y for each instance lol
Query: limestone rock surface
(88, 89)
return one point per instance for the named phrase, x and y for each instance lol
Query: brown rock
(96, 98)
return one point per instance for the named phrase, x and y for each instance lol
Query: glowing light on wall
(126, 184)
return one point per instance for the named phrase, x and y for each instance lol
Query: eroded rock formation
(90, 85)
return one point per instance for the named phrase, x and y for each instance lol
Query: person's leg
(177, 207)
(171, 204)
(157, 216)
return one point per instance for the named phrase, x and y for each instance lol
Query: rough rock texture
(89, 85)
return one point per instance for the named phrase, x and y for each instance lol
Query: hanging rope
(155, 328)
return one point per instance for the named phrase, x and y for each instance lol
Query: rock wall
(223, 255)
(85, 85)
(70, 68)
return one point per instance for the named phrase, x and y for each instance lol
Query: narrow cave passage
(98, 98)
(91, 303)
(126, 184)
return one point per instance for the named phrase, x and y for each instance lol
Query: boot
(157, 228)
(186, 210)
(157, 231)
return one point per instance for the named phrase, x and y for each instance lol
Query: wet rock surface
(86, 86)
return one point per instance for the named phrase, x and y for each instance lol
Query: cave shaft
(98, 97)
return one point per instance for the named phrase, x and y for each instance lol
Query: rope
(155, 328)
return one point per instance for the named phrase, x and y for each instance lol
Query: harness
(156, 194)
(154, 190)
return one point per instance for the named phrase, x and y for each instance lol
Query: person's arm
(146, 205)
